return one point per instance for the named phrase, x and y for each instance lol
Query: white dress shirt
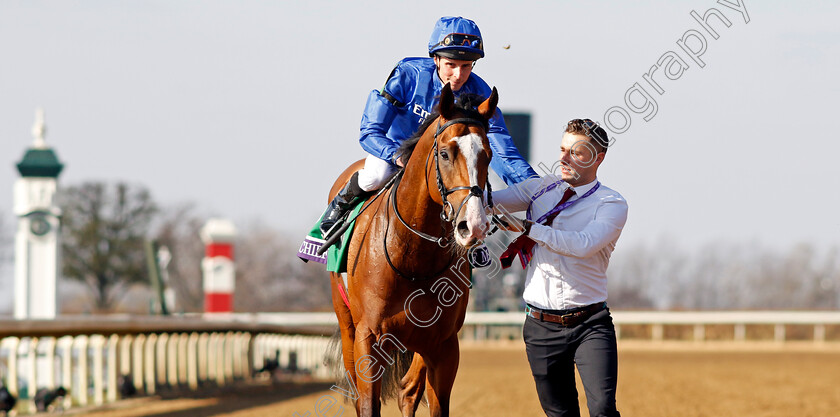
(569, 263)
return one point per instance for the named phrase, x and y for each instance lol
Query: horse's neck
(414, 200)
(408, 252)
(417, 207)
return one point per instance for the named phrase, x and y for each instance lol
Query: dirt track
(682, 381)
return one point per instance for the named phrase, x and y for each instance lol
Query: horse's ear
(447, 102)
(488, 108)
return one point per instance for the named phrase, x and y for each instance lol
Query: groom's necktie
(524, 245)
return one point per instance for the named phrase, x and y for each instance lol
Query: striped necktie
(524, 245)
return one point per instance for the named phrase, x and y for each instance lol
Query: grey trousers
(554, 350)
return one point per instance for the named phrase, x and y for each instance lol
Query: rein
(441, 241)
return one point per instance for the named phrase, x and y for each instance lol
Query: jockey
(409, 95)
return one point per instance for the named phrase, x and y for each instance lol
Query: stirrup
(337, 223)
(333, 229)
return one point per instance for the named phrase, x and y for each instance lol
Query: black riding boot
(341, 204)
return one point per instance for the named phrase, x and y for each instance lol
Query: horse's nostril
(463, 229)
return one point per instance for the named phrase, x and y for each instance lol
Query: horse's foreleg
(442, 367)
(412, 386)
(369, 372)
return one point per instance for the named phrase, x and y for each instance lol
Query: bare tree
(829, 275)
(270, 277)
(725, 276)
(178, 230)
(646, 276)
(630, 278)
(104, 231)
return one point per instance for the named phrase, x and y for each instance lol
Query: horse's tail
(334, 361)
(394, 373)
(390, 379)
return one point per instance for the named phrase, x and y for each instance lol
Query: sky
(250, 109)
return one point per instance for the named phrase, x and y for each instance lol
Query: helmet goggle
(461, 39)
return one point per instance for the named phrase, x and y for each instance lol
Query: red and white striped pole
(217, 265)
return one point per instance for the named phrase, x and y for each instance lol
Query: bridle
(448, 213)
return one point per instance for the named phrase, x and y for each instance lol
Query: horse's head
(459, 160)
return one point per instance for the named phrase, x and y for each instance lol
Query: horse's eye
(444, 155)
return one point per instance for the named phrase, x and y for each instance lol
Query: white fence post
(138, 364)
(699, 332)
(220, 359)
(192, 361)
(97, 343)
(81, 384)
(149, 364)
(779, 333)
(212, 357)
(203, 357)
(819, 333)
(113, 367)
(160, 359)
(48, 345)
(31, 371)
(657, 332)
(182, 358)
(172, 360)
(66, 344)
(11, 344)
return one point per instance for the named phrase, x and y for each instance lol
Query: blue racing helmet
(456, 38)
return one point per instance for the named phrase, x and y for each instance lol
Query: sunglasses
(461, 39)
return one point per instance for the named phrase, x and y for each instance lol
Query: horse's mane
(467, 104)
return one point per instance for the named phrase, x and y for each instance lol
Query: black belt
(568, 319)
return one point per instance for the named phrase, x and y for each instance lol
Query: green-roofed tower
(37, 254)
(39, 160)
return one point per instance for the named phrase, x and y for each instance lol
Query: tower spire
(39, 129)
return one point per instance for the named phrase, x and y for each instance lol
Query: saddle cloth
(335, 258)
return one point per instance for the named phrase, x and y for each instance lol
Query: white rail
(509, 324)
(106, 358)
(101, 359)
(483, 325)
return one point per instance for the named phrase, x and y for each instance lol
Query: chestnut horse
(407, 276)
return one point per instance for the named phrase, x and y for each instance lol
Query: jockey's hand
(399, 162)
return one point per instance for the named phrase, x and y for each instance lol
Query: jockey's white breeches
(375, 173)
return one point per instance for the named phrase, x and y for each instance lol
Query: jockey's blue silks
(410, 95)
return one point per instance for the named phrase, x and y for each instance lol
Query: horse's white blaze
(470, 147)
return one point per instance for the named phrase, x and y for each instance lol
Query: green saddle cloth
(336, 256)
